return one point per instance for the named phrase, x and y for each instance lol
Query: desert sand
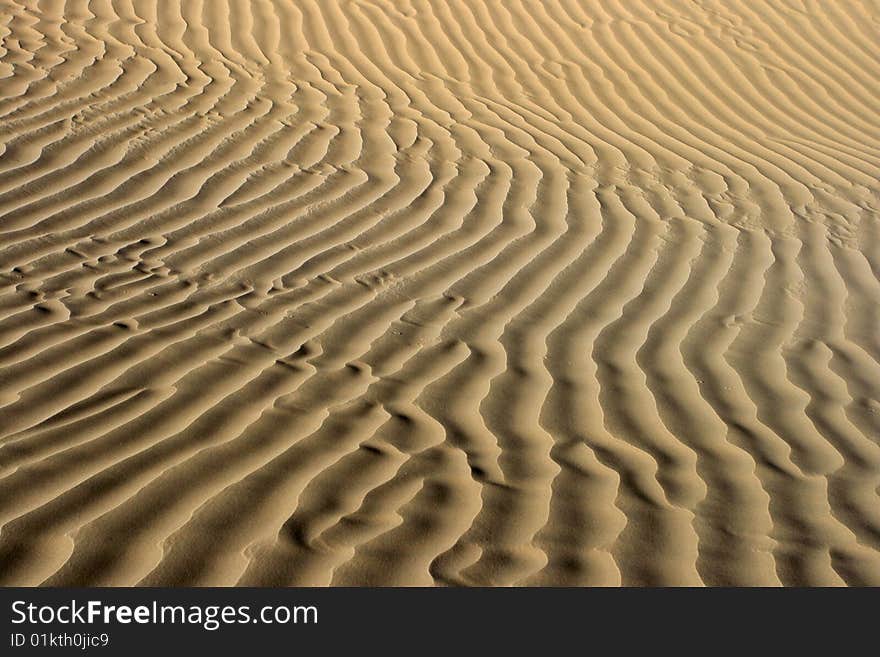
(483, 292)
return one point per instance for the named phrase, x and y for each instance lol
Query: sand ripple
(484, 292)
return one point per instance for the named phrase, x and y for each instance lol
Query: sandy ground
(345, 292)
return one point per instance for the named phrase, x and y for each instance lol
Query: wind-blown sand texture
(486, 292)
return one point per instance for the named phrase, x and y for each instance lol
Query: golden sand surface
(466, 292)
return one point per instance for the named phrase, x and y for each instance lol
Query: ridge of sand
(474, 292)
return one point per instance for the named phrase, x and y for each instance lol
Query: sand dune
(483, 292)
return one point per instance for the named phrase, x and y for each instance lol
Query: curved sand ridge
(485, 292)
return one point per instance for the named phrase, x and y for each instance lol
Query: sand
(484, 292)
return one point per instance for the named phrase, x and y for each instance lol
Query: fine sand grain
(483, 292)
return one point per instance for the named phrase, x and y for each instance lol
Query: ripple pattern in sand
(477, 292)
